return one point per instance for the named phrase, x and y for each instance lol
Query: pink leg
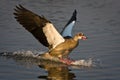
(67, 61)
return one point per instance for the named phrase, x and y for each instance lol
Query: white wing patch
(52, 35)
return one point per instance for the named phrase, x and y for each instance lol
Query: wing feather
(53, 37)
(41, 28)
(67, 30)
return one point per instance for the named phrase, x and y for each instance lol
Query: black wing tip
(18, 9)
(75, 11)
(74, 15)
(19, 6)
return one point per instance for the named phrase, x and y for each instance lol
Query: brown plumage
(44, 31)
(32, 22)
(63, 49)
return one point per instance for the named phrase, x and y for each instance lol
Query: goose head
(80, 36)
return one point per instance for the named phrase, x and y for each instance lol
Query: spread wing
(42, 29)
(67, 30)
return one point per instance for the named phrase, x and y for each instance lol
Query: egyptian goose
(60, 45)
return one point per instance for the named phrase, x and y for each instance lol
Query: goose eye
(81, 34)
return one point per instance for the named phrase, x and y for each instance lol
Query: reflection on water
(55, 70)
(57, 73)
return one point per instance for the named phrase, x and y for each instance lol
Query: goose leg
(67, 61)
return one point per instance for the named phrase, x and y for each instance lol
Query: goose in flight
(59, 45)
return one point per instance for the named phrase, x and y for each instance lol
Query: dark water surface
(99, 20)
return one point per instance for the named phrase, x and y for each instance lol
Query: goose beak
(84, 38)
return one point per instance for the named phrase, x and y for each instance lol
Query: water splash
(32, 57)
(83, 62)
